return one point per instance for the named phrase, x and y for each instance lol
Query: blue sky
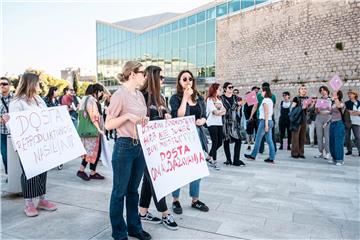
(53, 35)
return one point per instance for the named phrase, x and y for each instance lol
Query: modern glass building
(171, 41)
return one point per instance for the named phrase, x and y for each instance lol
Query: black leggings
(237, 149)
(216, 135)
(147, 190)
(284, 125)
(93, 165)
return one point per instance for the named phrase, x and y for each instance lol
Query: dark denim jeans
(128, 165)
(4, 150)
(337, 134)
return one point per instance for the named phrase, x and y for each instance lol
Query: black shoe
(148, 217)
(169, 222)
(141, 235)
(83, 176)
(288, 148)
(200, 206)
(348, 153)
(268, 160)
(177, 207)
(281, 147)
(293, 156)
(60, 167)
(228, 163)
(249, 147)
(239, 163)
(249, 157)
(302, 156)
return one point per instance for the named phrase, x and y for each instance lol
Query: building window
(234, 6)
(191, 36)
(192, 20)
(175, 25)
(210, 13)
(247, 3)
(183, 22)
(221, 10)
(210, 30)
(260, 1)
(200, 33)
(201, 17)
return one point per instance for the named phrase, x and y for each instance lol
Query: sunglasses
(186, 79)
(4, 84)
(230, 87)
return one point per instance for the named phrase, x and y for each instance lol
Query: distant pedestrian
(284, 120)
(51, 97)
(353, 106)
(310, 120)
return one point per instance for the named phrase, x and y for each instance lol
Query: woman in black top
(157, 110)
(51, 98)
(284, 120)
(187, 101)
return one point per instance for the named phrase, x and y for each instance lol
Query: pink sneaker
(31, 211)
(46, 205)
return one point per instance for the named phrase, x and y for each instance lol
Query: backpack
(346, 118)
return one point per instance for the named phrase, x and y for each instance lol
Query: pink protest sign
(251, 98)
(323, 103)
(335, 83)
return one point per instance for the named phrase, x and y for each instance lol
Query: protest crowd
(222, 116)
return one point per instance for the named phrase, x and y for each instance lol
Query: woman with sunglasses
(186, 102)
(127, 108)
(26, 98)
(156, 110)
(232, 125)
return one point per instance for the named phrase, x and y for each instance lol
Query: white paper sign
(173, 153)
(44, 139)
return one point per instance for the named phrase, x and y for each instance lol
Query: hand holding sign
(323, 104)
(251, 98)
(336, 83)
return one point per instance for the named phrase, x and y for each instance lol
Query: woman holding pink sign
(26, 98)
(323, 110)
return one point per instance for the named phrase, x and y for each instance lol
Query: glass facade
(187, 43)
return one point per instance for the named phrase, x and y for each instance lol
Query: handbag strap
(5, 105)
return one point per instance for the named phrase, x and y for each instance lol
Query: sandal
(200, 206)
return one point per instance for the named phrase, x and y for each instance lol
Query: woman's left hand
(266, 128)
(167, 116)
(200, 122)
(143, 121)
(5, 118)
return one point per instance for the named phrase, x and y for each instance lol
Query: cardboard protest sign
(335, 83)
(323, 103)
(173, 153)
(251, 98)
(307, 102)
(44, 139)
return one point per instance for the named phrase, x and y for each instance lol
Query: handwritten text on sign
(173, 153)
(44, 139)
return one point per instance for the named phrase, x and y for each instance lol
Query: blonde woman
(127, 108)
(26, 98)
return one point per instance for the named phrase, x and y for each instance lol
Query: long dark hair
(51, 92)
(267, 91)
(179, 89)
(213, 91)
(152, 85)
(96, 88)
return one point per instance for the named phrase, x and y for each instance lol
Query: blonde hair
(27, 86)
(130, 66)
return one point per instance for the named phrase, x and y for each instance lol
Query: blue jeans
(128, 165)
(4, 150)
(337, 134)
(268, 136)
(194, 190)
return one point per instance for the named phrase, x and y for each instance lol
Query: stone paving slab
(292, 199)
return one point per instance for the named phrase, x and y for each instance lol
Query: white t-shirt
(270, 105)
(213, 120)
(355, 120)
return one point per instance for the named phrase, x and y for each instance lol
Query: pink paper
(251, 98)
(335, 83)
(322, 103)
(307, 102)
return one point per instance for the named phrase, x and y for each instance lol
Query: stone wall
(290, 42)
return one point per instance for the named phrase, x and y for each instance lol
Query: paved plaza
(292, 199)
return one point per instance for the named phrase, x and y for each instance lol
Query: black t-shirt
(230, 100)
(196, 110)
(153, 112)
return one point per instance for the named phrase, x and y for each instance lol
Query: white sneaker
(215, 165)
(339, 164)
(327, 156)
(320, 155)
(331, 161)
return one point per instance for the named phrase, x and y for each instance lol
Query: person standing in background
(310, 120)
(6, 97)
(353, 106)
(284, 120)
